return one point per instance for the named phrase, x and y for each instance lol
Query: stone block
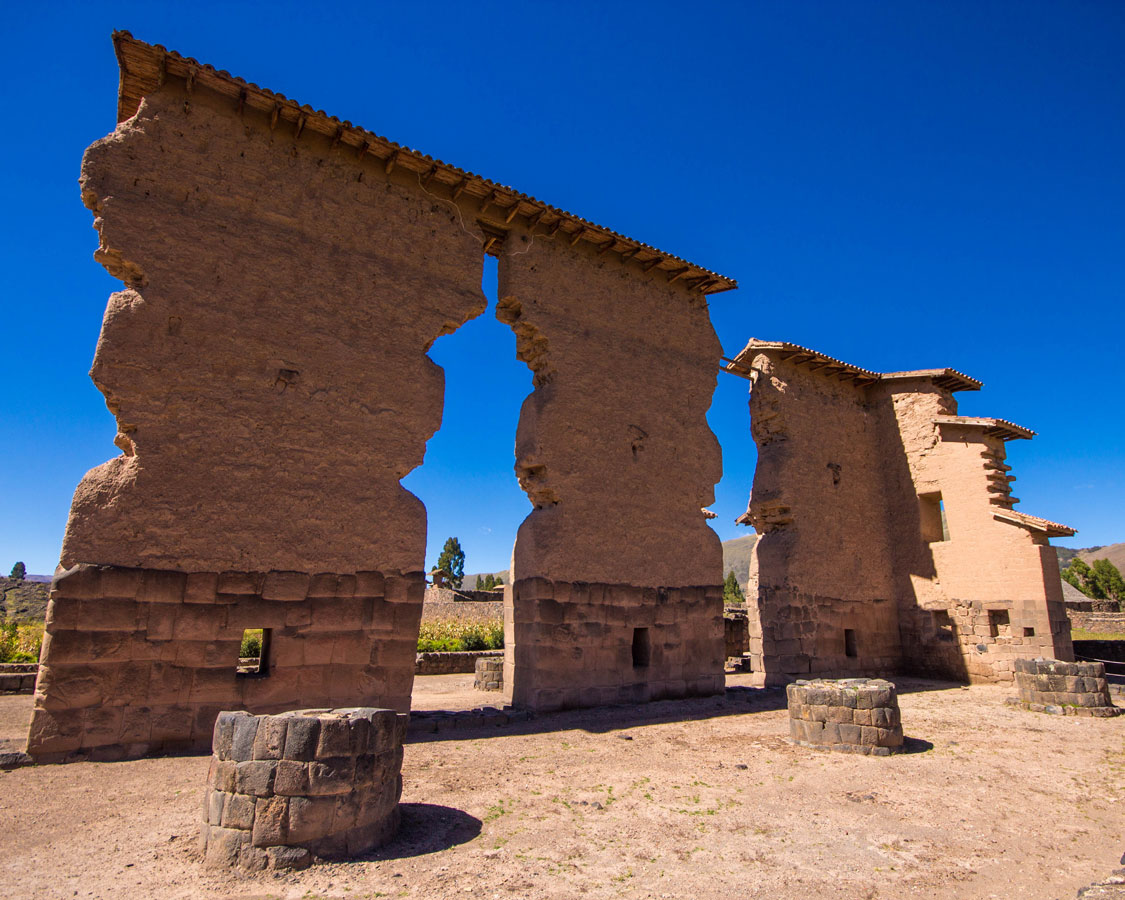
(245, 733)
(302, 736)
(271, 822)
(269, 742)
(200, 587)
(254, 777)
(328, 777)
(291, 778)
(310, 818)
(238, 811)
(81, 582)
(162, 586)
(286, 587)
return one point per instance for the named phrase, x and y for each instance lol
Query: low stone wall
(18, 678)
(853, 715)
(736, 632)
(1112, 652)
(489, 674)
(283, 789)
(1098, 622)
(1063, 688)
(460, 662)
(443, 605)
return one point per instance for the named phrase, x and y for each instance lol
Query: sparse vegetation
(450, 635)
(19, 571)
(20, 642)
(251, 643)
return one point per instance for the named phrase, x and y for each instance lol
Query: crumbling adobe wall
(823, 562)
(910, 534)
(616, 576)
(267, 369)
(996, 582)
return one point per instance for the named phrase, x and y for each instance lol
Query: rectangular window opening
(1029, 632)
(931, 518)
(998, 623)
(943, 622)
(253, 652)
(640, 648)
(849, 643)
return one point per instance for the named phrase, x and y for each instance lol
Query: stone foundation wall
(1064, 688)
(598, 644)
(18, 678)
(457, 662)
(854, 715)
(1097, 622)
(137, 661)
(311, 783)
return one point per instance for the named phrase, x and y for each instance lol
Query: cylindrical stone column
(489, 674)
(1063, 688)
(284, 789)
(852, 715)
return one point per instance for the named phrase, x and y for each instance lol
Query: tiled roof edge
(144, 66)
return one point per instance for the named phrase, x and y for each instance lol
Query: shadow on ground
(735, 701)
(427, 828)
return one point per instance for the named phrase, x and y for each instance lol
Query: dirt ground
(700, 799)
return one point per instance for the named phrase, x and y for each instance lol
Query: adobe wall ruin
(856, 571)
(610, 603)
(285, 274)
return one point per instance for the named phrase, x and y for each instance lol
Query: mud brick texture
(1064, 688)
(141, 661)
(489, 675)
(285, 789)
(852, 715)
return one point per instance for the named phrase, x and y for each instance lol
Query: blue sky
(899, 185)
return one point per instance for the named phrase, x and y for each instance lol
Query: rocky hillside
(23, 601)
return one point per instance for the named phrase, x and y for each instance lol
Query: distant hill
(23, 600)
(1115, 553)
(736, 556)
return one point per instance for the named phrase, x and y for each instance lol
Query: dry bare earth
(701, 799)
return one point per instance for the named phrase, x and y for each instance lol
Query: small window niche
(254, 653)
(999, 624)
(849, 643)
(943, 622)
(641, 648)
(931, 518)
(1028, 631)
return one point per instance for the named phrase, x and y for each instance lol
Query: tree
(19, 571)
(452, 561)
(487, 582)
(732, 591)
(1080, 575)
(1108, 579)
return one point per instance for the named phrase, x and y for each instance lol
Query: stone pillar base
(851, 715)
(1063, 688)
(283, 790)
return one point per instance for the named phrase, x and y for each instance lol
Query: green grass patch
(1080, 634)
